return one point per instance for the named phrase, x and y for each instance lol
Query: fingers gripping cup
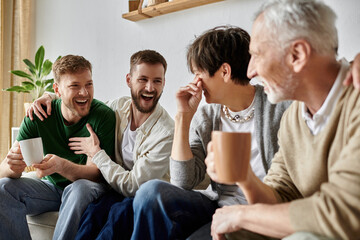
(232, 152)
(32, 150)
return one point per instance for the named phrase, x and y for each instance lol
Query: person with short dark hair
(144, 136)
(69, 181)
(219, 59)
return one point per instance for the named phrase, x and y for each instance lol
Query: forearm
(73, 171)
(115, 175)
(51, 95)
(265, 219)
(256, 191)
(181, 150)
(128, 182)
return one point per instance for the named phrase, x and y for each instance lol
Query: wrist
(98, 157)
(61, 165)
(96, 150)
(248, 182)
(241, 216)
(46, 95)
(184, 117)
(49, 95)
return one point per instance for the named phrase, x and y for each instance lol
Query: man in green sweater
(69, 181)
(312, 190)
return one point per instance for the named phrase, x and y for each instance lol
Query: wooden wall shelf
(164, 8)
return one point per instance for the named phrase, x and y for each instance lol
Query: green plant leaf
(37, 83)
(46, 68)
(49, 81)
(49, 89)
(22, 74)
(16, 89)
(29, 88)
(28, 85)
(48, 84)
(39, 58)
(30, 65)
(32, 72)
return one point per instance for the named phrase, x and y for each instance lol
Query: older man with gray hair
(312, 190)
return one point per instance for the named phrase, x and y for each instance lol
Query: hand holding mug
(210, 162)
(32, 150)
(231, 154)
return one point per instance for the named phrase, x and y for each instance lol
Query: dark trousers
(110, 217)
(163, 211)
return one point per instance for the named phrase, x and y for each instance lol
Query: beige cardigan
(151, 150)
(321, 173)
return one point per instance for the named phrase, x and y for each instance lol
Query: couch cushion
(42, 226)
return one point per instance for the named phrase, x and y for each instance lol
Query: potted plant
(36, 82)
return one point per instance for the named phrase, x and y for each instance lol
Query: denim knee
(6, 184)
(10, 187)
(83, 189)
(149, 194)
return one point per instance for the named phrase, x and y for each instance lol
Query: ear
(226, 72)
(56, 89)
(300, 51)
(128, 80)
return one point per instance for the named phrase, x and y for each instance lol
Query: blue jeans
(110, 217)
(28, 196)
(164, 211)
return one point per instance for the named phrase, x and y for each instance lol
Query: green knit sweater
(321, 174)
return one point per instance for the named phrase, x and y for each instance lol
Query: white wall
(96, 30)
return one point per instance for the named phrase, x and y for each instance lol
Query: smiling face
(268, 61)
(76, 92)
(146, 83)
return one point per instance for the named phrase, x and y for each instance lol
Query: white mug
(32, 150)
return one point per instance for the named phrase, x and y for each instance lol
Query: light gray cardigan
(188, 174)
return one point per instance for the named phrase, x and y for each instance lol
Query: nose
(83, 91)
(149, 86)
(251, 71)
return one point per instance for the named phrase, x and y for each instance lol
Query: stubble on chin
(136, 101)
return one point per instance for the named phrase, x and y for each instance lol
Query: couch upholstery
(42, 226)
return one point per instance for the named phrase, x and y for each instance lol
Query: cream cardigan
(151, 150)
(321, 174)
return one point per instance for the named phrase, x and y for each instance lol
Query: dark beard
(136, 101)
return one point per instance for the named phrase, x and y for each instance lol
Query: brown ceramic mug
(232, 152)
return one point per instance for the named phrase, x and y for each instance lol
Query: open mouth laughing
(148, 96)
(81, 102)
